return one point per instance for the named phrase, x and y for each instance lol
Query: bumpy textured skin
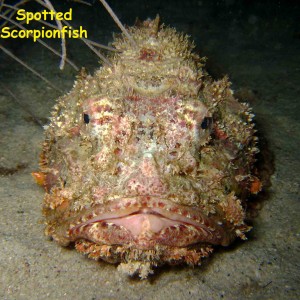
(149, 161)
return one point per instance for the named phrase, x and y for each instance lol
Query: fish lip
(163, 208)
(117, 208)
(144, 210)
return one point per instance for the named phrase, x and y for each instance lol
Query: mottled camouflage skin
(149, 160)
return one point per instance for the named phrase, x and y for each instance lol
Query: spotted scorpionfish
(149, 161)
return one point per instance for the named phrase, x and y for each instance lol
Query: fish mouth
(146, 223)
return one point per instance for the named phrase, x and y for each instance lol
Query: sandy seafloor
(258, 46)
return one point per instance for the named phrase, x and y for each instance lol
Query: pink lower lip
(141, 222)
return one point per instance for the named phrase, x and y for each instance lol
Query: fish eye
(86, 118)
(206, 123)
